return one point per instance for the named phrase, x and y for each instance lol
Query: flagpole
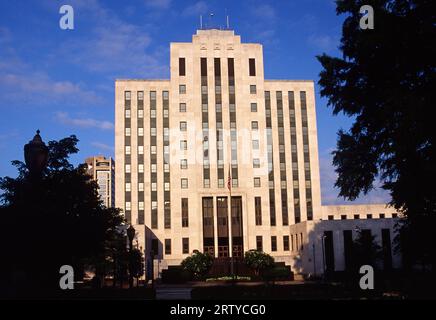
(230, 182)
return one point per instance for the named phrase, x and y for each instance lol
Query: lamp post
(36, 156)
(130, 234)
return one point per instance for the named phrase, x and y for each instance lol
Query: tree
(365, 251)
(386, 82)
(56, 220)
(258, 261)
(198, 264)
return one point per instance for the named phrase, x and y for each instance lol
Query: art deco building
(103, 171)
(218, 126)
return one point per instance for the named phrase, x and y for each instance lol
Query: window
(206, 183)
(153, 131)
(252, 67)
(152, 113)
(254, 125)
(183, 145)
(258, 210)
(185, 245)
(128, 206)
(127, 113)
(165, 95)
(140, 95)
(255, 144)
(394, 215)
(259, 243)
(184, 164)
(253, 107)
(141, 205)
(182, 89)
(128, 188)
(141, 186)
(153, 186)
(257, 182)
(382, 215)
(184, 183)
(182, 67)
(369, 216)
(127, 95)
(182, 107)
(128, 149)
(343, 217)
(141, 168)
(140, 113)
(141, 150)
(301, 242)
(128, 132)
(253, 89)
(127, 168)
(256, 163)
(167, 246)
(167, 186)
(183, 126)
(153, 149)
(273, 243)
(330, 217)
(356, 216)
(285, 243)
(185, 213)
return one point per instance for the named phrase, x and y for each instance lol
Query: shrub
(258, 261)
(198, 264)
(277, 273)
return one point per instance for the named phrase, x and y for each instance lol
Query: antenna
(201, 22)
(210, 19)
(227, 22)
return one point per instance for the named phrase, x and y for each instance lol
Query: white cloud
(64, 118)
(102, 146)
(323, 42)
(195, 9)
(264, 11)
(116, 48)
(329, 193)
(158, 4)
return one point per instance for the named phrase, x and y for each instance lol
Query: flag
(229, 181)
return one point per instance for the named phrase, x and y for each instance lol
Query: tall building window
(167, 246)
(182, 67)
(185, 213)
(307, 177)
(252, 67)
(254, 125)
(258, 210)
(205, 122)
(183, 145)
(253, 107)
(232, 116)
(273, 243)
(269, 141)
(294, 157)
(253, 89)
(255, 144)
(182, 107)
(182, 89)
(259, 243)
(183, 126)
(285, 243)
(183, 164)
(282, 158)
(153, 159)
(184, 183)
(185, 245)
(256, 163)
(257, 182)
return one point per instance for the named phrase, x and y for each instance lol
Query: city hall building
(218, 157)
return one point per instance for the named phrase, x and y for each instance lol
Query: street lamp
(130, 234)
(36, 155)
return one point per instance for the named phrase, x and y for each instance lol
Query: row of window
(259, 243)
(251, 67)
(358, 216)
(185, 246)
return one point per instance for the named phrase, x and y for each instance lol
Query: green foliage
(198, 264)
(385, 81)
(228, 278)
(366, 251)
(137, 263)
(258, 261)
(56, 220)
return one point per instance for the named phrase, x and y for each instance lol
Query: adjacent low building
(217, 137)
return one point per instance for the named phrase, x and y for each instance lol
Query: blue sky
(62, 81)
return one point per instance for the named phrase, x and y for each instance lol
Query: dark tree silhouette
(386, 82)
(57, 220)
